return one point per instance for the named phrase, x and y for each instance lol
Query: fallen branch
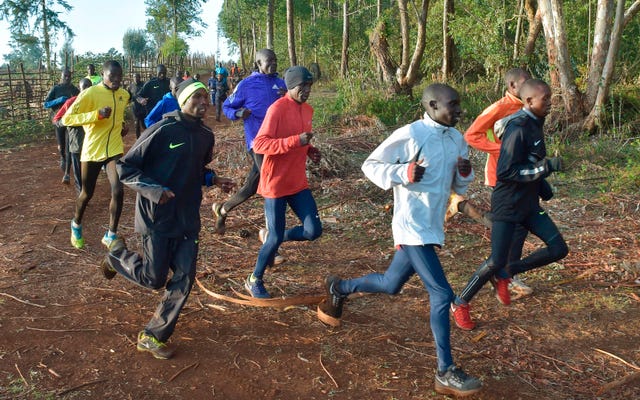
(5, 207)
(194, 366)
(21, 376)
(622, 381)
(327, 372)
(619, 359)
(62, 251)
(71, 389)
(61, 330)
(22, 301)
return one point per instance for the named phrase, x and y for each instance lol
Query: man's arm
(390, 164)
(479, 133)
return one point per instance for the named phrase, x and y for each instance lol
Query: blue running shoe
(256, 288)
(108, 239)
(77, 240)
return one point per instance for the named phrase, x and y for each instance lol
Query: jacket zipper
(113, 121)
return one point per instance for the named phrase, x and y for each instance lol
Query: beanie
(188, 88)
(296, 76)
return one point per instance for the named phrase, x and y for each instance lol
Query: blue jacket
(256, 92)
(167, 104)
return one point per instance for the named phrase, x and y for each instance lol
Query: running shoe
(256, 288)
(158, 349)
(107, 270)
(108, 239)
(220, 218)
(462, 317)
(77, 240)
(519, 288)
(332, 305)
(501, 286)
(456, 382)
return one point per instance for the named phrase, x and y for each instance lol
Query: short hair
(531, 85)
(109, 64)
(433, 92)
(515, 74)
(85, 83)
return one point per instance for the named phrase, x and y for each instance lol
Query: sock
(252, 278)
(458, 301)
(73, 223)
(111, 233)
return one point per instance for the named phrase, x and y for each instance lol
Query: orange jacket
(283, 169)
(480, 134)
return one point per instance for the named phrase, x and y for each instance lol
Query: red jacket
(63, 109)
(480, 134)
(283, 169)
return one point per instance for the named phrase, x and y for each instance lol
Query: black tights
(89, 172)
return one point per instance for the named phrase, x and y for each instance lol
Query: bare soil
(68, 333)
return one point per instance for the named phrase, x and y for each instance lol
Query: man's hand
(125, 129)
(415, 171)
(314, 154)
(225, 184)
(142, 100)
(464, 166)
(104, 112)
(554, 164)
(167, 195)
(305, 138)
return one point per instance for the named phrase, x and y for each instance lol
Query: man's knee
(313, 232)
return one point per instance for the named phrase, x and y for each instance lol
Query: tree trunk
(558, 53)
(344, 63)
(447, 44)
(380, 49)
(240, 41)
(601, 41)
(535, 26)
(45, 34)
(291, 39)
(270, 8)
(516, 42)
(404, 29)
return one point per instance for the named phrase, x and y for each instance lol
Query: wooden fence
(22, 92)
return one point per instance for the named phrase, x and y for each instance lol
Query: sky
(93, 35)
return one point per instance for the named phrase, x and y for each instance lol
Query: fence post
(13, 115)
(27, 91)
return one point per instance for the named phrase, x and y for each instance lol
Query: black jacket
(522, 167)
(173, 154)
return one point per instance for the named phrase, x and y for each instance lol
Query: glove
(314, 154)
(554, 164)
(545, 192)
(415, 172)
(464, 166)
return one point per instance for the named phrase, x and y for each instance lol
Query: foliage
(26, 50)
(171, 18)
(135, 43)
(175, 46)
(16, 133)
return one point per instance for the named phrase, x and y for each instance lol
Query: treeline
(581, 48)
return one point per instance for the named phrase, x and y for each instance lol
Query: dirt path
(67, 331)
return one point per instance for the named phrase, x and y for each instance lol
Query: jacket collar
(426, 119)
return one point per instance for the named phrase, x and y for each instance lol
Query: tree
(135, 43)
(27, 50)
(270, 8)
(172, 18)
(344, 63)
(19, 14)
(66, 52)
(291, 34)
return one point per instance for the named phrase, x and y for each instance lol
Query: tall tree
(447, 43)
(344, 63)
(20, 13)
(291, 34)
(270, 7)
(135, 43)
(174, 19)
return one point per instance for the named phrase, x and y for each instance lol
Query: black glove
(554, 164)
(464, 166)
(545, 192)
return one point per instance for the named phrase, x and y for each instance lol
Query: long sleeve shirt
(419, 208)
(283, 169)
(480, 134)
(166, 105)
(103, 136)
(256, 92)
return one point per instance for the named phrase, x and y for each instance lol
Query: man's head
(536, 96)
(137, 78)
(91, 69)
(84, 83)
(173, 85)
(112, 74)
(442, 104)
(193, 98)
(514, 78)
(266, 61)
(65, 76)
(161, 71)
(298, 80)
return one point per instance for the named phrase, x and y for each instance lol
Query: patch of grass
(21, 132)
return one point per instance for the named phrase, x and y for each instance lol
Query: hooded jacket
(256, 92)
(103, 137)
(419, 208)
(167, 104)
(171, 154)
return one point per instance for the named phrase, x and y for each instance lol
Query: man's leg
(149, 269)
(89, 172)
(117, 194)
(61, 132)
(390, 282)
(304, 206)
(77, 177)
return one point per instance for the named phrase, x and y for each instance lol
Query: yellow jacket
(103, 137)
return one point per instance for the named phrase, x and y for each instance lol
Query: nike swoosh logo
(536, 142)
(541, 212)
(173, 146)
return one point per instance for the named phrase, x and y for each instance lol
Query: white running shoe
(519, 288)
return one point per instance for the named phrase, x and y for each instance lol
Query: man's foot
(454, 201)
(501, 287)
(456, 382)
(66, 179)
(220, 218)
(462, 317)
(107, 239)
(519, 288)
(330, 308)
(158, 349)
(107, 270)
(262, 235)
(77, 240)
(256, 288)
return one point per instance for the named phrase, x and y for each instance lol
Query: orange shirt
(283, 169)
(480, 134)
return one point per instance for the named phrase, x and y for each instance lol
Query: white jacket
(419, 208)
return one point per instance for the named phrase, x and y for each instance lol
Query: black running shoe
(457, 383)
(332, 305)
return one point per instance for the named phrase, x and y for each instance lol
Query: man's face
(539, 101)
(112, 77)
(267, 62)
(446, 109)
(136, 78)
(197, 104)
(301, 92)
(65, 77)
